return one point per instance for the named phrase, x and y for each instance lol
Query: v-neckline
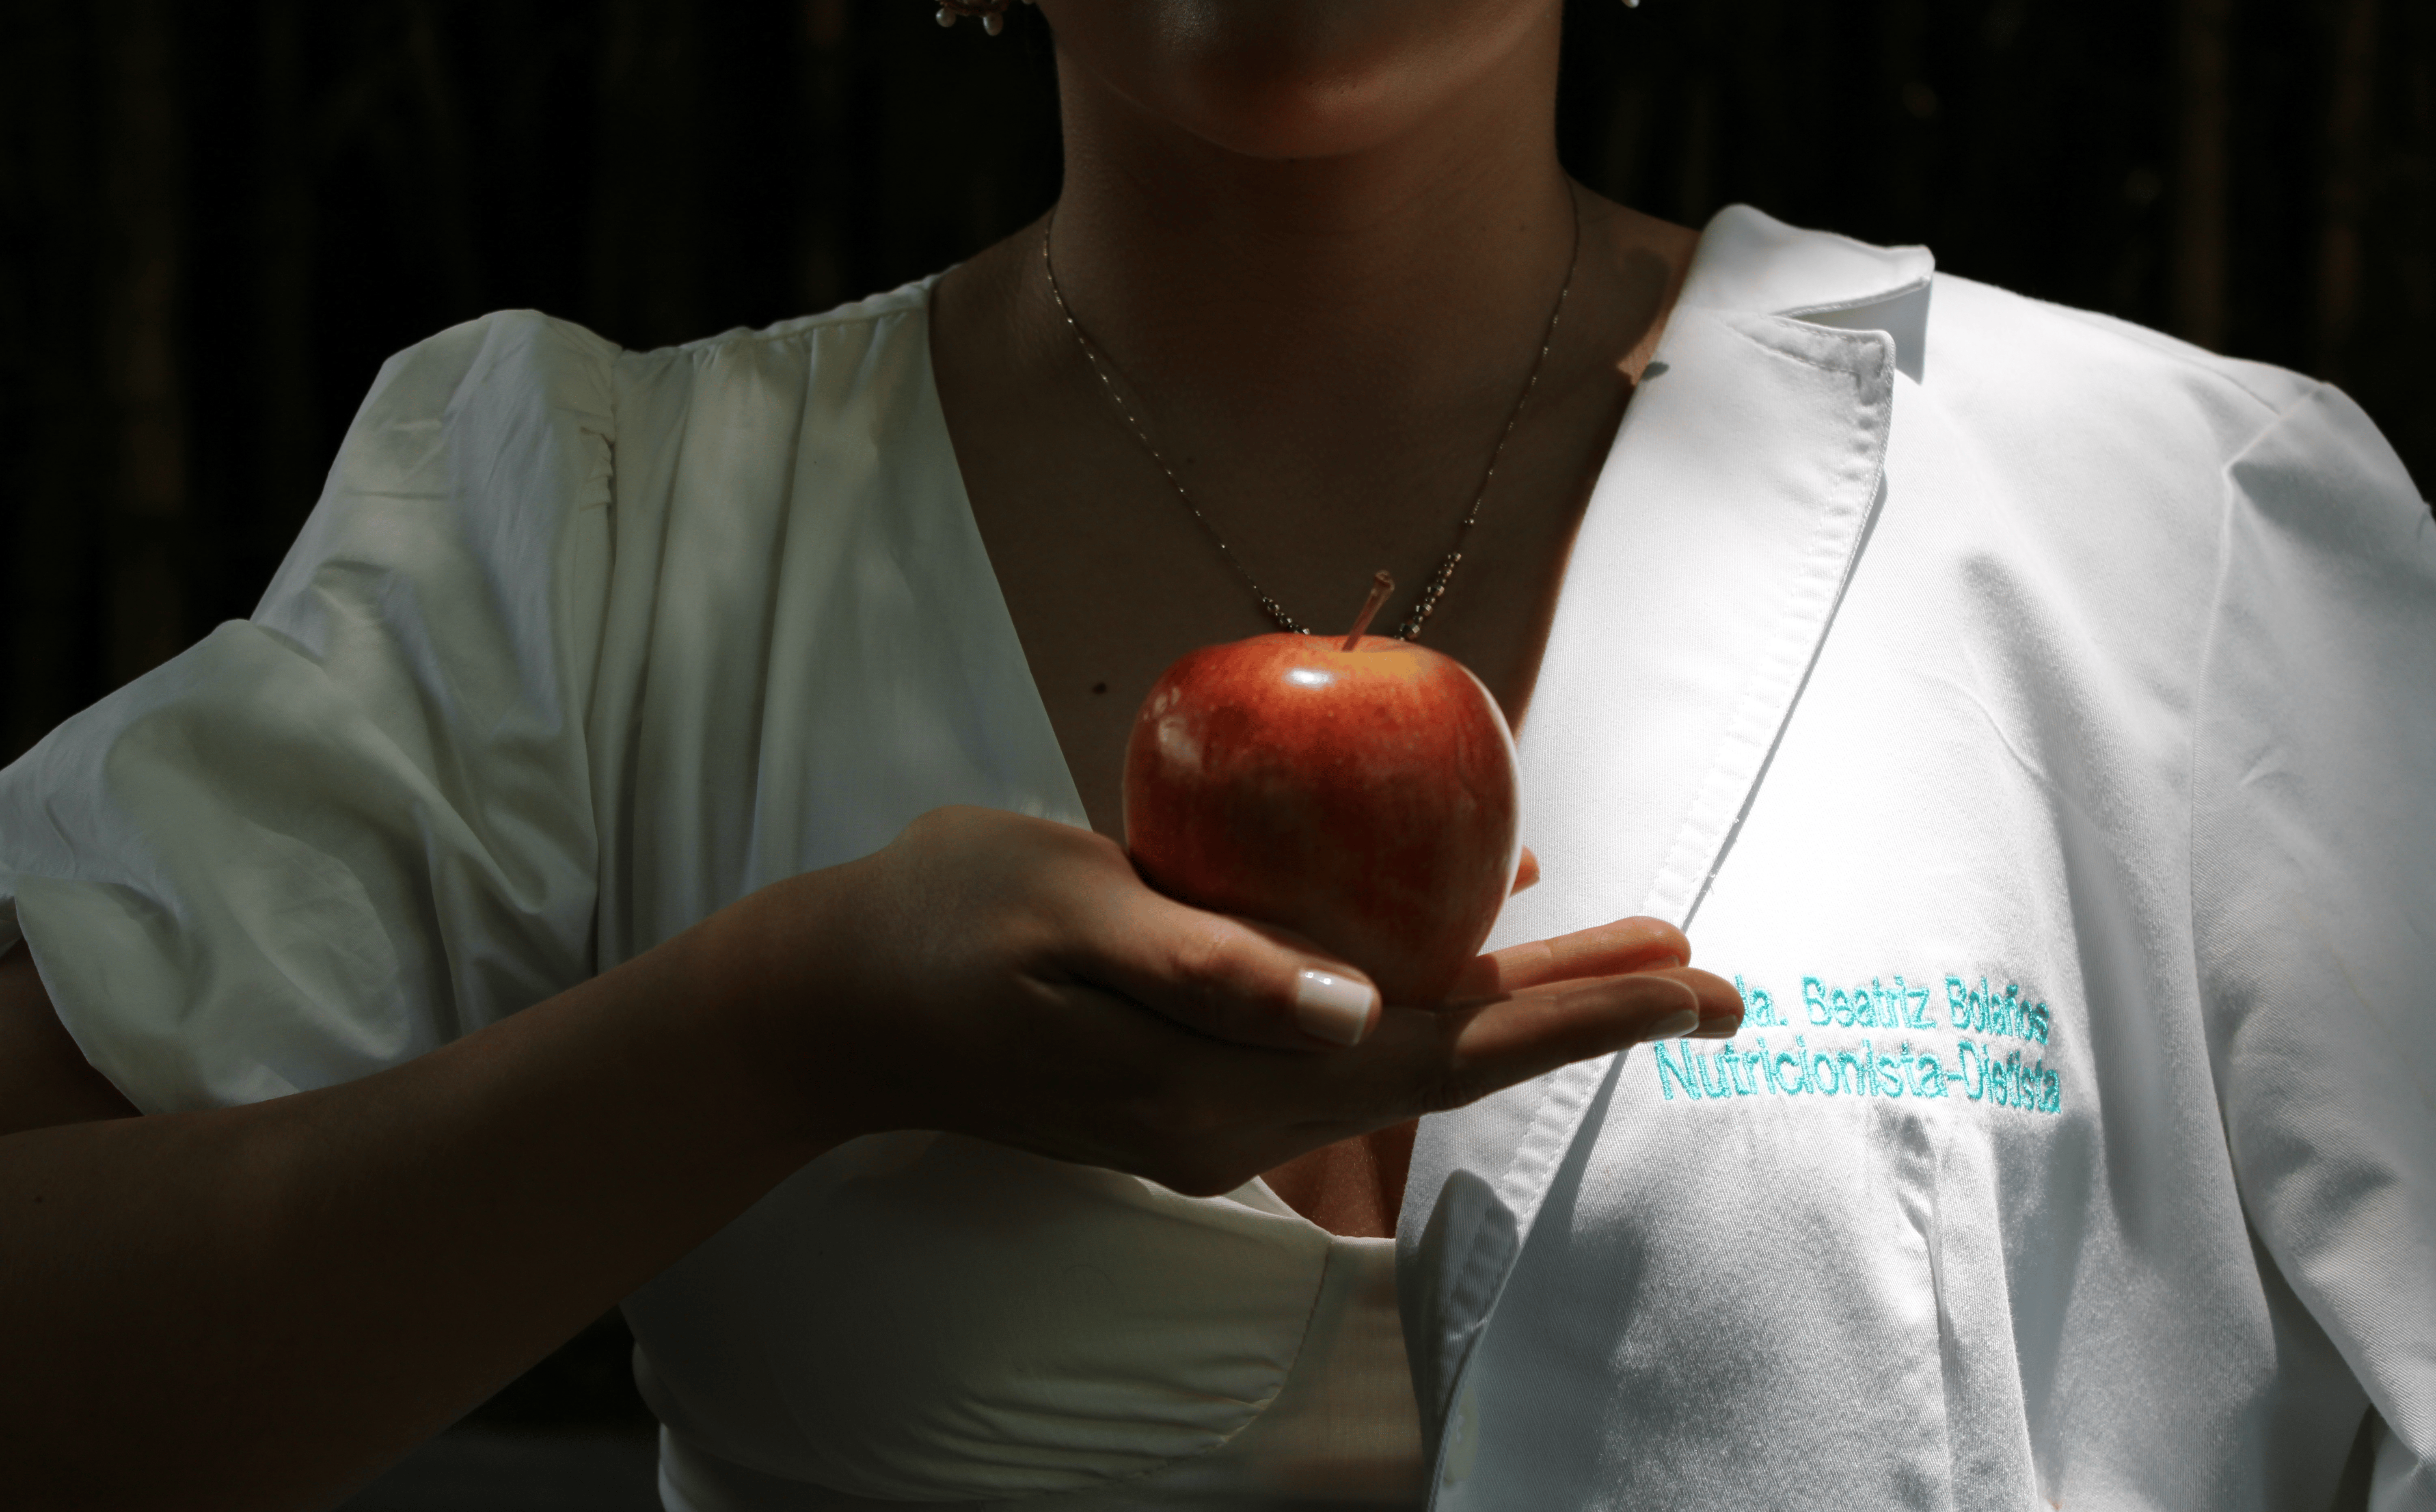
(932, 419)
(1652, 725)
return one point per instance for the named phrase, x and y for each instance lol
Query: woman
(1999, 685)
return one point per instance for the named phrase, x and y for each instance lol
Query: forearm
(255, 1307)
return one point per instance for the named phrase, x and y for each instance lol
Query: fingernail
(1333, 1008)
(1719, 1025)
(1676, 1025)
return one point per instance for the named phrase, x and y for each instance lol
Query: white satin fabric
(1938, 655)
(1031, 1335)
(578, 648)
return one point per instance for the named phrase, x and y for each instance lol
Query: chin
(1296, 79)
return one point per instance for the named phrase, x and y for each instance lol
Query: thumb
(1232, 979)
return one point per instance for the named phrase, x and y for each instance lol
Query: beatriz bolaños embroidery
(2009, 1076)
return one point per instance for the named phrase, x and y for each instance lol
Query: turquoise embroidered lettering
(1799, 1056)
(1681, 1073)
(1891, 1077)
(1766, 1064)
(1983, 1010)
(1759, 1008)
(1984, 1069)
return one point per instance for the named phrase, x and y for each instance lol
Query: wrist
(770, 974)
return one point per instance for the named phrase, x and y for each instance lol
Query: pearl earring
(992, 13)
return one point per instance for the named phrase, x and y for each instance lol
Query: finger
(1211, 1115)
(1607, 950)
(1526, 871)
(1236, 980)
(1498, 1044)
(1721, 1003)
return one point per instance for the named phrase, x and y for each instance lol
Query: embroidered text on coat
(2011, 1076)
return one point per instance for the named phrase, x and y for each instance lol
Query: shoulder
(896, 320)
(508, 355)
(2092, 391)
(482, 410)
(482, 453)
(863, 365)
(891, 309)
(511, 385)
(2093, 383)
(516, 411)
(523, 365)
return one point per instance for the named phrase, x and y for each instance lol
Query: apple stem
(1381, 586)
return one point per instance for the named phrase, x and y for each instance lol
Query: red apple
(1360, 790)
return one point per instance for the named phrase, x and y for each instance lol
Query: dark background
(218, 217)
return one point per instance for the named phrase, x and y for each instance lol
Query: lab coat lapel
(1707, 569)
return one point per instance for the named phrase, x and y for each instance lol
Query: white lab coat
(2028, 709)
(1992, 684)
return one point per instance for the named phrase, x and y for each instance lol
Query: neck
(1416, 271)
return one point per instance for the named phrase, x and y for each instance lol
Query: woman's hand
(195, 1283)
(1013, 979)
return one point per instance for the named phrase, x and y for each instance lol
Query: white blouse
(578, 647)
(2037, 715)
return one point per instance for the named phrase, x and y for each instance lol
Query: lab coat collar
(1708, 566)
(1752, 262)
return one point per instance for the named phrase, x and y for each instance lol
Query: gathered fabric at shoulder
(332, 837)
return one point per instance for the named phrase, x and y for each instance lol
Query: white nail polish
(1333, 1008)
(1677, 1024)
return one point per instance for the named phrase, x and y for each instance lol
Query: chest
(1111, 567)
(1109, 573)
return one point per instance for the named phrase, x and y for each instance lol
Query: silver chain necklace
(1428, 597)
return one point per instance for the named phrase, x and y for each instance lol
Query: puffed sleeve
(358, 825)
(2314, 902)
